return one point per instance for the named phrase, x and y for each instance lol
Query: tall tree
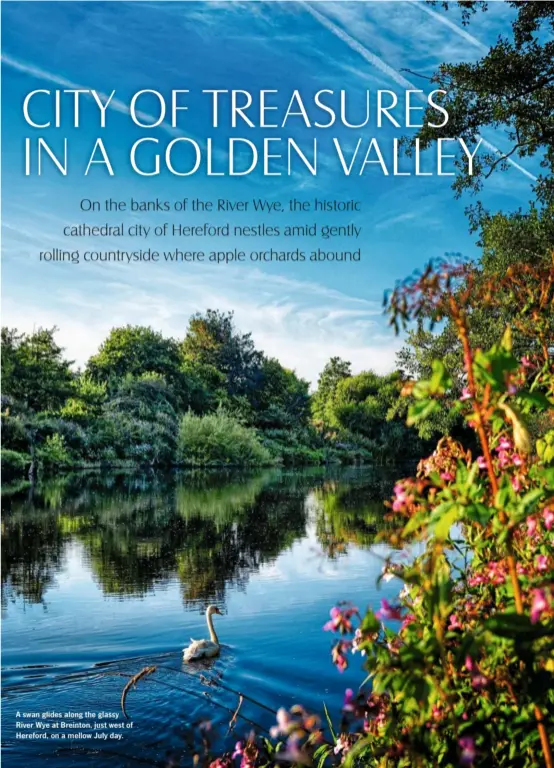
(512, 87)
(135, 350)
(34, 370)
(213, 341)
(283, 400)
(334, 372)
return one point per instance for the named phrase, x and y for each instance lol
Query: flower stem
(512, 568)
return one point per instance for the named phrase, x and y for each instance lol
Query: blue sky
(300, 313)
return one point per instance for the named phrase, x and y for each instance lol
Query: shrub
(218, 439)
(54, 452)
(14, 464)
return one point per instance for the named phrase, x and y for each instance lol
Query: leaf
(440, 380)
(329, 723)
(421, 410)
(522, 438)
(479, 513)
(370, 623)
(527, 504)
(445, 523)
(539, 399)
(517, 626)
(506, 342)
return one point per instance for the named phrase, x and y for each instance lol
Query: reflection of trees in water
(221, 553)
(138, 534)
(209, 530)
(32, 553)
(351, 513)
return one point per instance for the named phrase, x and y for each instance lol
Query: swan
(204, 649)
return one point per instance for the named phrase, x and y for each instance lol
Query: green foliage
(323, 401)
(34, 372)
(510, 87)
(218, 439)
(139, 350)
(14, 463)
(360, 411)
(282, 400)
(140, 421)
(86, 400)
(458, 670)
(212, 341)
(54, 452)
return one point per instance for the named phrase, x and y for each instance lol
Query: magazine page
(277, 384)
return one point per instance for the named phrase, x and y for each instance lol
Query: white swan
(204, 649)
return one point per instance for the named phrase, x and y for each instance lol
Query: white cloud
(302, 323)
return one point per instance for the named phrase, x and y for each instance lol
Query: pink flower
(447, 476)
(479, 682)
(526, 363)
(454, 622)
(517, 461)
(542, 563)
(338, 654)
(388, 611)
(531, 526)
(512, 389)
(548, 517)
(222, 762)
(469, 664)
(283, 722)
(538, 605)
(348, 705)
(333, 624)
(341, 620)
(468, 751)
(239, 749)
(504, 444)
(401, 497)
(504, 459)
(474, 581)
(342, 744)
(409, 618)
(466, 394)
(516, 484)
(481, 462)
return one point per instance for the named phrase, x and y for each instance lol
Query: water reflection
(210, 531)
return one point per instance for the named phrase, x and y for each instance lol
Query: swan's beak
(218, 611)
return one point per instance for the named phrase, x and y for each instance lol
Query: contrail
(374, 60)
(450, 24)
(116, 104)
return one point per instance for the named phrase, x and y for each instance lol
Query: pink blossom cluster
(341, 619)
(403, 496)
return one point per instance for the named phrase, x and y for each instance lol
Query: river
(104, 574)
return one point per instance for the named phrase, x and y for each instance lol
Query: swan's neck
(213, 636)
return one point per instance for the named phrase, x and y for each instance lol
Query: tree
(334, 371)
(136, 350)
(510, 87)
(283, 400)
(212, 341)
(34, 370)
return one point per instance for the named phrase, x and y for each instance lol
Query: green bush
(218, 439)
(14, 463)
(54, 453)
